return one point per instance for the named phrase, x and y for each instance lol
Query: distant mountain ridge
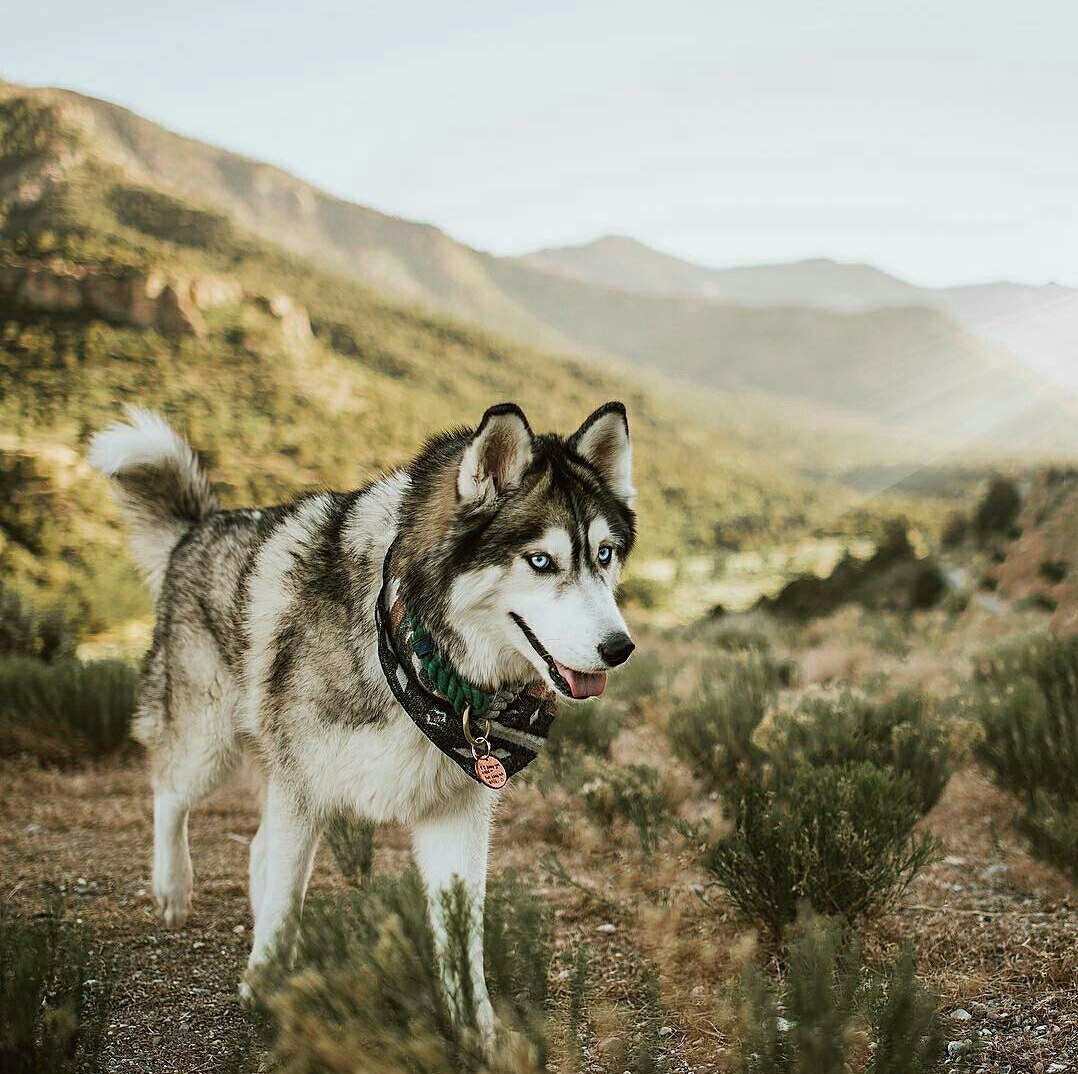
(1039, 324)
(912, 368)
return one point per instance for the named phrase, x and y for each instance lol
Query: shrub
(24, 632)
(367, 983)
(632, 794)
(1051, 826)
(1026, 698)
(95, 699)
(713, 731)
(830, 1017)
(351, 839)
(54, 996)
(839, 836)
(902, 734)
(640, 1048)
(998, 510)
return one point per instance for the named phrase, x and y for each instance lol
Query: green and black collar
(512, 724)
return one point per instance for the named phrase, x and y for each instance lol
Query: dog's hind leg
(190, 754)
(454, 845)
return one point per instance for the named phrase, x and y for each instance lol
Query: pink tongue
(583, 683)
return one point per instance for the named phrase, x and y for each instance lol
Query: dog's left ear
(603, 441)
(497, 457)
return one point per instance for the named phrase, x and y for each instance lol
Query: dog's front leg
(288, 838)
(451, 844)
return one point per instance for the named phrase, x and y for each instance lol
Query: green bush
(24, 632)
(366, 983)
(713, 731)
(632, 794)
(902, 733)
(1051, 826)
(54, 996)
(95, 699)
(829, 1016)
(351, 840)
(1026, 698)
(839, 836)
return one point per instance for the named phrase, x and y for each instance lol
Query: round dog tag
(490, 772)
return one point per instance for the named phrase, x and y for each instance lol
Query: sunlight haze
(936, 144)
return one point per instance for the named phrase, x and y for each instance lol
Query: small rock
(953, 859)
(961, 1015)
(33, 829)
(141, 892)
(783, 1025)
(955, 1048)
(198, 945)
(666, 1031)
(606, 926)
(1057, 1068)
(239, 930)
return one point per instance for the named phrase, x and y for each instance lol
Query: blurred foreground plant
(55, 996)
(366, 994)
(829, 1016)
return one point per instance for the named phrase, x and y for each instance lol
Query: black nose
(616, 648)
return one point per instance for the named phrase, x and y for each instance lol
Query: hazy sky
(939, 141)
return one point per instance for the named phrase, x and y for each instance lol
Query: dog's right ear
(497, 457)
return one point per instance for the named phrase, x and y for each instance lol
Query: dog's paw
(173, 905)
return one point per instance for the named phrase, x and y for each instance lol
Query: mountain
(622, 262)
(1038, 324)
(115, 288)
(917, 370)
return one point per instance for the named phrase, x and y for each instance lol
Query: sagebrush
(830, 1015)
(55, 995)
(839, 836)
(713, 731)
(1026, 699)
(366, 982)
(95, 699)
(901, 733)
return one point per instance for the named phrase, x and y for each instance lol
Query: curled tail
(161, 486)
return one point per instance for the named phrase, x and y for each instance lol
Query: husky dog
(505, 545)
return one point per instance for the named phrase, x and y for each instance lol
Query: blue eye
(605, 554)
(540, 561)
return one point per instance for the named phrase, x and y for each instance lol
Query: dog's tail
(161, 486)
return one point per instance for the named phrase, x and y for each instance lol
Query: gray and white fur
(509, 549)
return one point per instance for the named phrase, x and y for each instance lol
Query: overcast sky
(938, 141)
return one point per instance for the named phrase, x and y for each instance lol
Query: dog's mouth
(575, 684)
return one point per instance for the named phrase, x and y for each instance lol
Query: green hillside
(912, 367)
(194, 323)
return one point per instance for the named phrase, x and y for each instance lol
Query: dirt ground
(995, 932)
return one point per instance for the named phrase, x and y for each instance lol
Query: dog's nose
(616, 648)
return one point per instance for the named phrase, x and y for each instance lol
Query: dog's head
(513, 543)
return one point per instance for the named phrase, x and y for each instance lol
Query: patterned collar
(490, 736)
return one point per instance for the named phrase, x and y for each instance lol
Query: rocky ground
(996, 933)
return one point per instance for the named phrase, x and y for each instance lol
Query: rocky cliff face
(170, 304)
